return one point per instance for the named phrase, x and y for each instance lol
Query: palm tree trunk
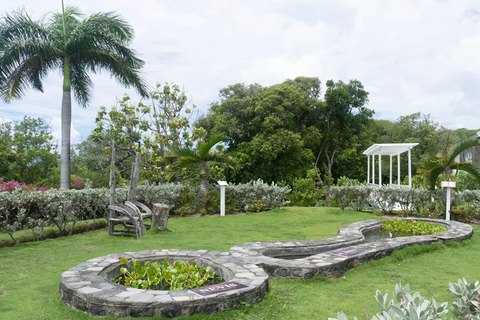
(65, 151)
(66, 124)
(202, 190)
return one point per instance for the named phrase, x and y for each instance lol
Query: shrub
(244, 195)
(357, 197)
(305, 193)
(466, 212)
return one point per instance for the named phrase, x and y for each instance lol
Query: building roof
(391, 149)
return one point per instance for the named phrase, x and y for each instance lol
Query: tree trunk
(65, 151)
(66, 124)
(202, 190)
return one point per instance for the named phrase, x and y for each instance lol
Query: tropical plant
(164, 275)
(432, 166)
(402, 228)
(200, 159)
(74, 46)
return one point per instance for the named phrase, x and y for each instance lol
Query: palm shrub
(200, 161)
(432, 166)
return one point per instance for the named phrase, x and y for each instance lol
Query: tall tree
(72, 45)
(343, 117)
(200, 161)
(271, 131)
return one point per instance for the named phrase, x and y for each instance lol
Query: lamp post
(222, 185)
(448, 185)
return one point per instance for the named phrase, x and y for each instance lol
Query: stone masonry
(87, 287)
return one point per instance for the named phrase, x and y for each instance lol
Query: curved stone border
(86, 287)
(334, 256)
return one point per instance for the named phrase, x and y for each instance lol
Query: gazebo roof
(390, 149)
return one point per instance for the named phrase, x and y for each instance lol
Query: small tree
(200, 160)
(432, 166)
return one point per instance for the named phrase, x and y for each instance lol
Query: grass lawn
(29, 272)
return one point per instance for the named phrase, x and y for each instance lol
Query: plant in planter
(402, 228)
(163, 275)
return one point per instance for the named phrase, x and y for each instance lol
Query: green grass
(29, 272)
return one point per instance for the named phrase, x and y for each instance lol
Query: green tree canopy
(28, 152)
(271, 131)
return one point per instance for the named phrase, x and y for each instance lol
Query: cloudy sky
(411, 55)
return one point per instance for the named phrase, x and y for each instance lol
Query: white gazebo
(388, 149)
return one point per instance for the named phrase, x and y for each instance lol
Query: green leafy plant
(466, 304)
(407, 306)
(164, 275)
(410, 227)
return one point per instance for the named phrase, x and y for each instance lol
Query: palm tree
(29, 50)
(200, 160)
(432, 166)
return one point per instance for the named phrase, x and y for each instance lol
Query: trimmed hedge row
(35, 210)
(406, 201)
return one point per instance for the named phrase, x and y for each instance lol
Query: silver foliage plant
(407, 306)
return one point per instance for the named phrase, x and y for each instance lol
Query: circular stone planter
(334, 256)
(87, 287)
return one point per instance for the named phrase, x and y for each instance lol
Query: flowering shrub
(12, 185)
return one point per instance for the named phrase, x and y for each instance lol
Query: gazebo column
(380, 170)
(368, 169)
(398, 169)
(391, 170)
(373, 169)
(409, 168)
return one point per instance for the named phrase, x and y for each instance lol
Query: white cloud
(56, 126)
(410, 55)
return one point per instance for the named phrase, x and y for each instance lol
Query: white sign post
(448, 185)
(222, 185)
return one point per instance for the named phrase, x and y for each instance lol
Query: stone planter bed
(334, 256)
(87, 287)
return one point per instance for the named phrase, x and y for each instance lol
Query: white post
(448, 185)
(222, 185)
(391, 169)
(447, 213)
(398, 169)
(409, 168)
(368, 169)
(380, 170)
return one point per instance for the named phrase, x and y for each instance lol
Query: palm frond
(81, 83)
(210, 142)
(432, 176)
(470, 168)
(222, 159)
(26, 55)
(463, 146)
